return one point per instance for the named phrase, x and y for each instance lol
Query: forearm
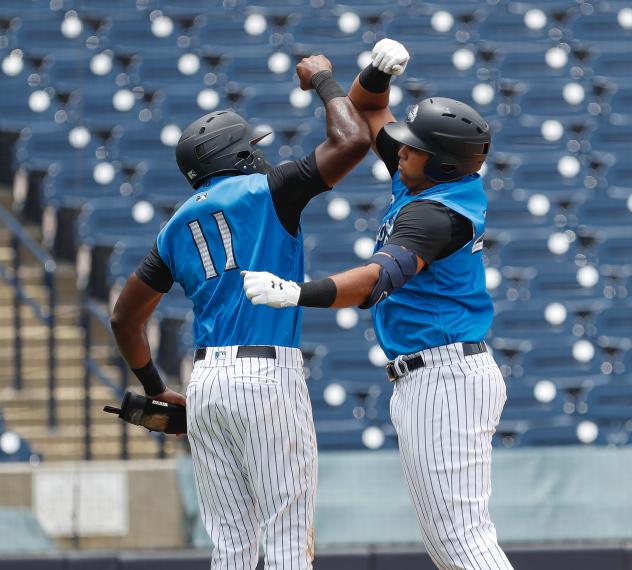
(370, 90)
(348, 136)
(348, 289)
(132, 344)
(353, 287)
(344, 124)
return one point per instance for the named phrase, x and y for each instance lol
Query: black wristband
(326, 86)
(320, 293)
(374, 80)
(150, 379)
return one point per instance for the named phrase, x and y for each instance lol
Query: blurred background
(94, 96)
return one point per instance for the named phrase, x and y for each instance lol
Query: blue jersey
(229, 225)
(447, 302)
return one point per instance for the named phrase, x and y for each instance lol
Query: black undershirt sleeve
(431, 230)
(387, 148)
(154, 272)
(292, 186)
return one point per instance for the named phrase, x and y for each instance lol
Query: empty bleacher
(97, 98)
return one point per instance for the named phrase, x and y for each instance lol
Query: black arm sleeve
(154, 272)
(388, 148)
(292, 186)
(431, 230)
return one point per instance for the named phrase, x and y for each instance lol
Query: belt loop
(400, 366)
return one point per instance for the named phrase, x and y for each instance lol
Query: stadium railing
(45, 314)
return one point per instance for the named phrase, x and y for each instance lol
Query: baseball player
(249, 418)
(425, 285)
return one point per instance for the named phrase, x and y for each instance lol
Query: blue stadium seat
(227, 34)
(505, 23)
(507, 214)
(555, 435)
(333, 253)
(352, 365)
(611, 137)
(529, 323)
(522, 405)
(556, 361)
(45, 33)
(526, 60)
(601, 25)
(323, 30)
(23, 453)
(14, 106)
(50, 143)
(160, 67)
(165, 188)
(613, 60)
(532, 249)
(101, 225)
(131, 32)
(559, 282)
(265, 100)
(615, 320)
(606, 211)
(97, 104)
(610, 403)
(139, 142)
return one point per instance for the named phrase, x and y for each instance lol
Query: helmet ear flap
(441, 170)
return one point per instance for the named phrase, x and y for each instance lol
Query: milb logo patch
(478, 244)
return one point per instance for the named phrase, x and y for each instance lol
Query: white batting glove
(263, 288)
(390, 57)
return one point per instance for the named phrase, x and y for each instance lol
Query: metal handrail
(94, 312)
(21, 239)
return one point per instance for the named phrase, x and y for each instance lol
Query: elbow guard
(397, 266)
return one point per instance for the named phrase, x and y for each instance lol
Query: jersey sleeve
(387, 148)
(428, 228)
(292, 186)
(154, 272)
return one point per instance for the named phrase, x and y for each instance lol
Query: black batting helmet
(218, 144)
(454, 134)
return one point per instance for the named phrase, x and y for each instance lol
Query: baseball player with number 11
(425, 285)
(249, 418)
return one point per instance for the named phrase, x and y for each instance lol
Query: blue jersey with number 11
(230, 225)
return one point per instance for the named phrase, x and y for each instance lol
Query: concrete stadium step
(30, 405)
(138, 448)
(65, 315)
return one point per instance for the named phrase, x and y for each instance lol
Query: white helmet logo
(412, 113)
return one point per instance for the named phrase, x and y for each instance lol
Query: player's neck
(424, 185)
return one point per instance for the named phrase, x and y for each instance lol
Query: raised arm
(348, 138)
(371, 88)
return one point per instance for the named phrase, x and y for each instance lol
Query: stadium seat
(101, 225)
(96, 92)
(523, 405)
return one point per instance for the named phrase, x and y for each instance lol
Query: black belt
(400, 367)
(258, 351)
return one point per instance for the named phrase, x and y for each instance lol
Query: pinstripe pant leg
(284, 472)
(226, 504)
(445, 418)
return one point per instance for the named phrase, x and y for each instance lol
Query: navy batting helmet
(454, 134)
(218, 144)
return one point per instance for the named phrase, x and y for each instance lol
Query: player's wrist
(321, 293)
(149, 377)
(373, 80)
(326, 86)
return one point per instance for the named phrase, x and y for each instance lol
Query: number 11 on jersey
(202, 245)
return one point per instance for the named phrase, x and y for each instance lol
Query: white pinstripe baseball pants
(445, 414)
(254, 453)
